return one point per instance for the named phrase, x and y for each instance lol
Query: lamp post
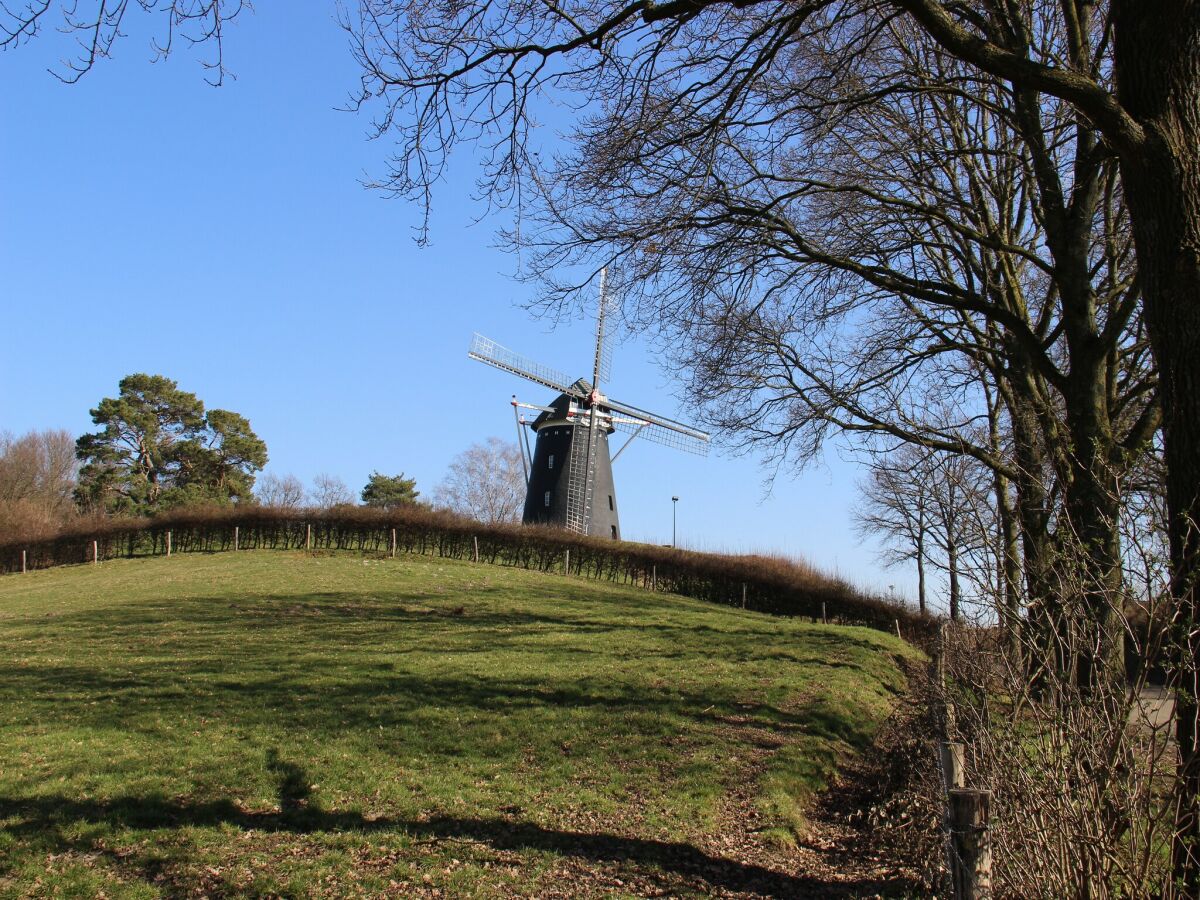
(674, 506)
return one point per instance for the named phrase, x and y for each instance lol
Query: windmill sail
(657, 428)
(581, 483)
(602, 369)
(488, 351)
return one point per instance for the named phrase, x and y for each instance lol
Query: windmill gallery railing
(763, 584)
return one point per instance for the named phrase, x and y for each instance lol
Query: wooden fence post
(235, 537)
(654, 578)
(95, 553)
(567, 564)
(941, 658)
(743, 595)
(476, 542)
(22, 562)
(954, 773)
(824, 618)
(393, 551)
(308, 537)
(898, 629)
(970, 844)
(168, 543)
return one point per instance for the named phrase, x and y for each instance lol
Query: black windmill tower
(569, 475)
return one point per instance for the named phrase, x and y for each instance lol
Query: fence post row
(701, 583)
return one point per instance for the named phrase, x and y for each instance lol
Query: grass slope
(266, 724)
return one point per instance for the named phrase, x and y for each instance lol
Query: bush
(767, 584)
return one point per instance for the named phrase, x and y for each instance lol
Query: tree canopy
(389, 491)
(158, 448)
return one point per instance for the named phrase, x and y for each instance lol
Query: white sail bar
(658, 429)
(488, 351)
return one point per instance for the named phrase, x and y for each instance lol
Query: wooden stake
(476, 540)
(168, 543)
(654, 578)
(22, 562)
(824, 618)
(743, 595)
(307, 537)
(393, 543)
(898, 629)
(971, 844)
(954, 771)
(941, 658)
(235, 537)
(95, 553)
(567, 564)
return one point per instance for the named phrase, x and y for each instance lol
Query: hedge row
(763, 584)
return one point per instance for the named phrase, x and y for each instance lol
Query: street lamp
(674, 506)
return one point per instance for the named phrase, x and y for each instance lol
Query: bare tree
(486, 482)
(329, 491)
(39, 467)
(895, 509)
(933, 509)
(37, 481)
(280, 492)
(95, 26)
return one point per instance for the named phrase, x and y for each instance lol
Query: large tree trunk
(1010, 569)
(1157, 67)
(1042, 652)
(1089, 539)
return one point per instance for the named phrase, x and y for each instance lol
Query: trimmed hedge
(767, 584)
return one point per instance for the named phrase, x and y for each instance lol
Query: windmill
(569, 479)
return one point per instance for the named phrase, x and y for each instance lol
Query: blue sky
(221, 237)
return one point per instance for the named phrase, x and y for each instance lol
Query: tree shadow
(47, 821)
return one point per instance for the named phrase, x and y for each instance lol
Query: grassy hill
(272, 723)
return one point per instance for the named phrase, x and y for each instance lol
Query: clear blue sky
(221, 237)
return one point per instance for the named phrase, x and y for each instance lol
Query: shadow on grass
(320, 698)
(266, 659)
(47, 822)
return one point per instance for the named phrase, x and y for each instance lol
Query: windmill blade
(658, 429)
(602, 369)
(488, 351)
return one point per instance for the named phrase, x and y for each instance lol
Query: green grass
(270, 723)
